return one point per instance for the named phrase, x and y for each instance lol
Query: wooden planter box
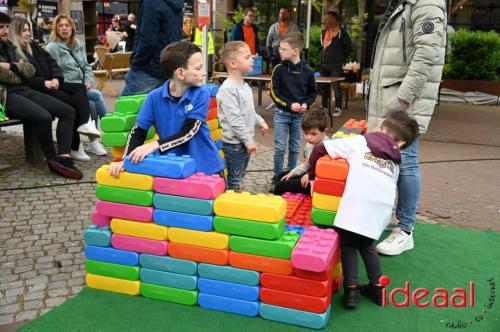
(490, 87)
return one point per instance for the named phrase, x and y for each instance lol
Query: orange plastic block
(303, 215)
(329, 187)
(353, 123)
(216, 135)
(117, 151)
(198, 254)
(212, 113)
(296, 301)
(333, 169)
(260, 263)
(293, 284)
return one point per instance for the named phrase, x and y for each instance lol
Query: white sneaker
(397, 242)
(89, 129)
(96, 148)
(80, 155)
(336, 111)
(270, 107)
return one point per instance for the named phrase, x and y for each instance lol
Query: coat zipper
(403, 30)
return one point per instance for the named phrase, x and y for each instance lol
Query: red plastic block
(353, 123)
(212, 103)
(295, 301)
(212, 113)
(329, 187)
(297, 285)
(293, 201)
(303, 215)
(333, 169)
(336, 283)
(197, 185)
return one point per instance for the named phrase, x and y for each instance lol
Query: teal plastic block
(168, 264)
(202, 207)
(229, 274)
(295, 317)
(97, 236)
(168, 279)
(116, 122)
(281, 248)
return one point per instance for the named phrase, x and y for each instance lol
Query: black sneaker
(351, 297)
(373, 292)
(64, 166)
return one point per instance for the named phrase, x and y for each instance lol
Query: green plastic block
(120, 138)
(169, 294)
(124, 195)
(130, 104)
(116, 122)
(250, 228)
(281, 248)
(112, 270)
(323, 217)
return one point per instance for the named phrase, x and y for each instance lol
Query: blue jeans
(286, 125)
(408, 187)
(138, 82)
(237, 160)
(97, 105)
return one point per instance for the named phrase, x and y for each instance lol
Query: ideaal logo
(439, 298)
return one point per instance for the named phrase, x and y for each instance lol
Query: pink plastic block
(292, 196)
(197, 185)
(125, 211)
(140, 245)
(100, 220)
(315, 249)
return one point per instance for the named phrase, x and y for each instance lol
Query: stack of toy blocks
(213, 122)
(298, 211)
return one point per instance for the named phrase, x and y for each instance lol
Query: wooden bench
(111, 63)
(32, 148)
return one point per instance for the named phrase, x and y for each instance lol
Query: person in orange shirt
(246, 31)
(276, 32)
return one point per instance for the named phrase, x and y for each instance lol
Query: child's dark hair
(176, 55)
(315, 120)
(4, 18)
(401, 127)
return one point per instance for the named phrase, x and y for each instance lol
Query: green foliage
(475, 55)
(356, 28)
(315, 47)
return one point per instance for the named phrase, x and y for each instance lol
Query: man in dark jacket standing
(335, 48)
(246, 31)
(159, 24)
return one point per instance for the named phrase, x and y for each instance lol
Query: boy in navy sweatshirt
(293, 89)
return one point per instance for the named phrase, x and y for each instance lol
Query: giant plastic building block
(233, 306)
(333, 169)
(296, 301)
(169, 294)
(249, 228)
(329, 187)
(198, 254)
(112, 255)
(97, 236)
(126, 179)
(228, 289)
(315, 249)
(216, 134)
(183, 220)
(260, 207)
(213, 88)
(212, 240)
(121, 138)
(260, 263)
(197, 185)
(203, 207)
(229, 274)
(341, 134)
(337, 270)
(326, 202)
(280, 248)
(100, 220)
(125, 211)
(321, 276)
(295, 228)
(119, 271)
(130, 104)
(213, 124)
(212, 113)
(168, 264)
(112, 284)
(168, 165)
(354, 124)
(117, 152)
(323, 217)
(116, 122)
(296, 317)
(143, 246)
(138, 229)
(212, 103)
(124, 195)
(293, 201)
(294, 284)
(169, 279)
(302, 217)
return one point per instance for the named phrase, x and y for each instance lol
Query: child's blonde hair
(294, 39)
(227, 51)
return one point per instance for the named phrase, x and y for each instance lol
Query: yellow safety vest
(198, 40)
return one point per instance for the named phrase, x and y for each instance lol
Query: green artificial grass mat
(444, 257)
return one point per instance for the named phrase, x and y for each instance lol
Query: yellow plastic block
(113, 284)
(225, 173)
(326, 202)
(117, 151)
(337, 270)
(221, 154)
(139, 229)
(260, 207)
(126, 179)
(341, 134)
(213, 124)
(155, 138)
(212, 240)
(216, 135)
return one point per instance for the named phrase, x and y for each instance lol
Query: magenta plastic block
(100, 220)
(125, 211)
(197, 185)
(315, 249)
(140, 245)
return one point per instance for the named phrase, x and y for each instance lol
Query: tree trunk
(361, 20)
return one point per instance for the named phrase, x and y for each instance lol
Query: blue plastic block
(213, 88)
(229, 289)
(202, 207)
(183, 220)
(229, 274)
(218, 144)
(298, 229)
(168, 264)
(296, 317)
(168, 279)
(97, 236)
(168, 166)
(233, 306)
(112, 255)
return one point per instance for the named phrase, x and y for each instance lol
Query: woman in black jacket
(49, 79)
